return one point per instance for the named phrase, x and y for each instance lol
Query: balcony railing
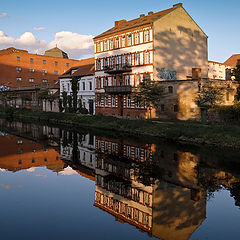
(117, 69)
(118, 89)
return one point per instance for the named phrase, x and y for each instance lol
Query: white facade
(217, 70)
(86, 92)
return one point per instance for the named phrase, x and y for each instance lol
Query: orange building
(18, 67)
(18, 153)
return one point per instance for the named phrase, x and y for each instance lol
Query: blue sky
(80, 20)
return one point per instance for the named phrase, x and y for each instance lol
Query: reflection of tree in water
(235, 193)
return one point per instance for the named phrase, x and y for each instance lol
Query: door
(121, 105)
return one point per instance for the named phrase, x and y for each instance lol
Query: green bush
(229, 113)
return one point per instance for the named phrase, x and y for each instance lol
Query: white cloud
(32, 169)
(68, 171)
(74, 44)
(3, 15)
(38, 28)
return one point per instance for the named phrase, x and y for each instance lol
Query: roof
(11, 50)
(217, 63)
(85, 68)
(56, 52)
(142, 20)
(232, 61)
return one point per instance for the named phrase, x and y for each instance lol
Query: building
(232, 61)
(166, 46)
(86, 83)
(219, 71)
(18, 67)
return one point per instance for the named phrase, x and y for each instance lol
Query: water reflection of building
(127, 189)
(78, 150)
(17, 153)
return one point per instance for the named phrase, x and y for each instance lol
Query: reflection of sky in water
(223, 219)
(55, 207)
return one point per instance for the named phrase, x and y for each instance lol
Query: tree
(75, 89)
(207, 98)
(149, 93)
(236, 71)
(43, 95)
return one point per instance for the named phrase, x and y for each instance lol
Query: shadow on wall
(181, 50)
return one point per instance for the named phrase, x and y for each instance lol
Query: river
(63, 183)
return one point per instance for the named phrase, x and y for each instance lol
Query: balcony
(118, 89)
(117, 69)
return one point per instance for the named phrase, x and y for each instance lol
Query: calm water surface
(64, 184)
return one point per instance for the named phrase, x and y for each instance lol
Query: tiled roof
(142, 20)
(86, 67)
(11, 50)
(56, 52)
(232, 61)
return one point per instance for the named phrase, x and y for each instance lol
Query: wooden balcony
(117, 69)
(118, 89)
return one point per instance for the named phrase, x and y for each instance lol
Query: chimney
(177, 5)
(142, 15)
(117, 23)
(150, 13)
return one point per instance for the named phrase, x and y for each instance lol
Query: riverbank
(182, 131)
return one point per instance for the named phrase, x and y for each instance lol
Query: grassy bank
(188, 132)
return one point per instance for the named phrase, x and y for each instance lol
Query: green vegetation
(149, 93)
(183, 131)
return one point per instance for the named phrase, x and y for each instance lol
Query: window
(114, 81)
(137, 38)
(105, 82)
(98, 47)
(98, 64)
(129, 40)
(56, 63)
(146, 36)
(113, 101)
(44, 61)
(111, 43)
(117, 42)
(18, 58)
(19, 79)
(44, 80)
(137, 59)
(105, 63)
(83, 86)
(99, 82)
(105, 45)
(111, 62)
(31, 60)
(128, 101)
(130, 59)
(31, 79)
(175, 108)
(127, 78)
(67, 64)
(123, 41)
(56, 72)
(44, 71)
(31, 70)
(170, 89)
(124, 60)
(106, 101)
(90, 85)
(147, 57)
(19, 69)
(137, 79)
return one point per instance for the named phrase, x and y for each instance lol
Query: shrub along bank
(220, 135)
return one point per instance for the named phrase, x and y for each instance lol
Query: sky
(39, 25)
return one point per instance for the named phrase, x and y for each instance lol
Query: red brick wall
(8, 72)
